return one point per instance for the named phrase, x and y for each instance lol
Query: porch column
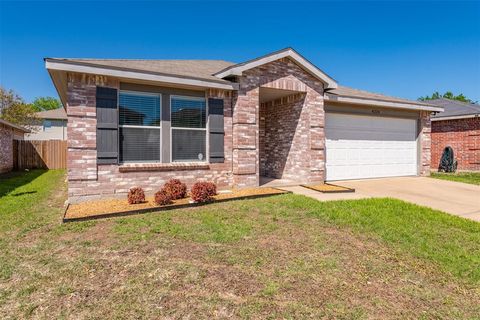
(314, 104)
(245, 137)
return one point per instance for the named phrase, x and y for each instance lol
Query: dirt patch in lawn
(112, 207)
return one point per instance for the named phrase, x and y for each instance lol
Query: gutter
(467, 116)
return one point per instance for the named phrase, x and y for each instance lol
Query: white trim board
(467, 116)
(380, 103)
(238, 69)
(137, 75)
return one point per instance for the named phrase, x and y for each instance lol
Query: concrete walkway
(457, 198)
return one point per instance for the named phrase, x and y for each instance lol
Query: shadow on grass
(15, 179)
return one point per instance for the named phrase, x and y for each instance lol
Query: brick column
(314, 104)
(81, 128)
(425, 143)
(245, 137)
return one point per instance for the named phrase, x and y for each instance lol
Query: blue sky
(405, 49)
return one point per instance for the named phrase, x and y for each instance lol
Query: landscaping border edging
(346, 189)
(163, 208)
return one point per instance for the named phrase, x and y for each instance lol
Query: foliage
(46, 103)
(14, 109)
(163, 197)
(136, 195)
(203, 191)
(176, 189)
(447, 95)
(465, 177)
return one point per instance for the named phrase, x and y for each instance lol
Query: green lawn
(285, 257)
(466, 177)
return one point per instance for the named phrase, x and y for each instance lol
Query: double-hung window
(188, 123)
(139, 124)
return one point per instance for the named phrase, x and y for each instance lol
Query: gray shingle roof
(52, 114)
(205, 70)
(455, 108)
(195, 69)
(355, 93)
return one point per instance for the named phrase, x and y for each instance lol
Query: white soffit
(380, 103)
(52, 64)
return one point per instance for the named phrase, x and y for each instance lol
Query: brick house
(142, 122)
(458, 127)
(8, 133)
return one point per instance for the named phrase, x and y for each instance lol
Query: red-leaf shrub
(203, 191)
(162, 197)
(176, 189)
(136, 195)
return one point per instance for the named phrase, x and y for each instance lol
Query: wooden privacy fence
(39, 154)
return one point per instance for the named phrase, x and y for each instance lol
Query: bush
(162, 197)
(176, 189)
(136, 195)
(203, 191)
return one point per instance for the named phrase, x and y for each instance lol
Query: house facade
(142, 122)
(52, 125)
(458, 127)
(9, 132)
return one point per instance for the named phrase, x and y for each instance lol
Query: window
(139, 122)
(189, 134)
(47, 124)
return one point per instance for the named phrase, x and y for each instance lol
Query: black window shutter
(107, 126)
(217, 130)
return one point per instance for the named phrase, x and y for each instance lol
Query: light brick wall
(88, 179)
(463, 135)
(293, 130)
(425, 143)
(6, 148)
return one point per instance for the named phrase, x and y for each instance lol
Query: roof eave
(459, 117)
(66, 66)
(15, 126)
(238, 69)
(381, 103)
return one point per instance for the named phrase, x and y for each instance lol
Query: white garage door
(360, 147)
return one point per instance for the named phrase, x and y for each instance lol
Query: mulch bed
(106, 208)
(328, 188)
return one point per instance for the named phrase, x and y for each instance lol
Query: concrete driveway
(457, 198)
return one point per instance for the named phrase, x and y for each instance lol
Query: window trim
(159, 127)
(206, 157)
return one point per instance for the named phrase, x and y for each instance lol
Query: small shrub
(162, 197)
(203, 191)
(136, 195)
(176, 189)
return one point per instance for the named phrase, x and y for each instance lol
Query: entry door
(359, 147)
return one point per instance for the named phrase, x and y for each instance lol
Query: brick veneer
(6, 148)
(463, 135)
(425, 143)
(87, 178)
(302, 156)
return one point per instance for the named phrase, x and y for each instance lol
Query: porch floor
(273, 182)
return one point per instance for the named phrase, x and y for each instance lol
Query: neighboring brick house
(52, 126)
(458, 127)
(8, 133)
(142, 122)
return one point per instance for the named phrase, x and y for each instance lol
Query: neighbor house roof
(14, 126)
(214, 74)
(58, 114)
(455, 109)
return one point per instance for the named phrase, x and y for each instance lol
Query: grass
(465, 177)
(281, 257)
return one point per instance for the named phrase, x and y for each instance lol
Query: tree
(14, 109)
(46, 103)
(447, 95)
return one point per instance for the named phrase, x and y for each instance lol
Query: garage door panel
(367, 147)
